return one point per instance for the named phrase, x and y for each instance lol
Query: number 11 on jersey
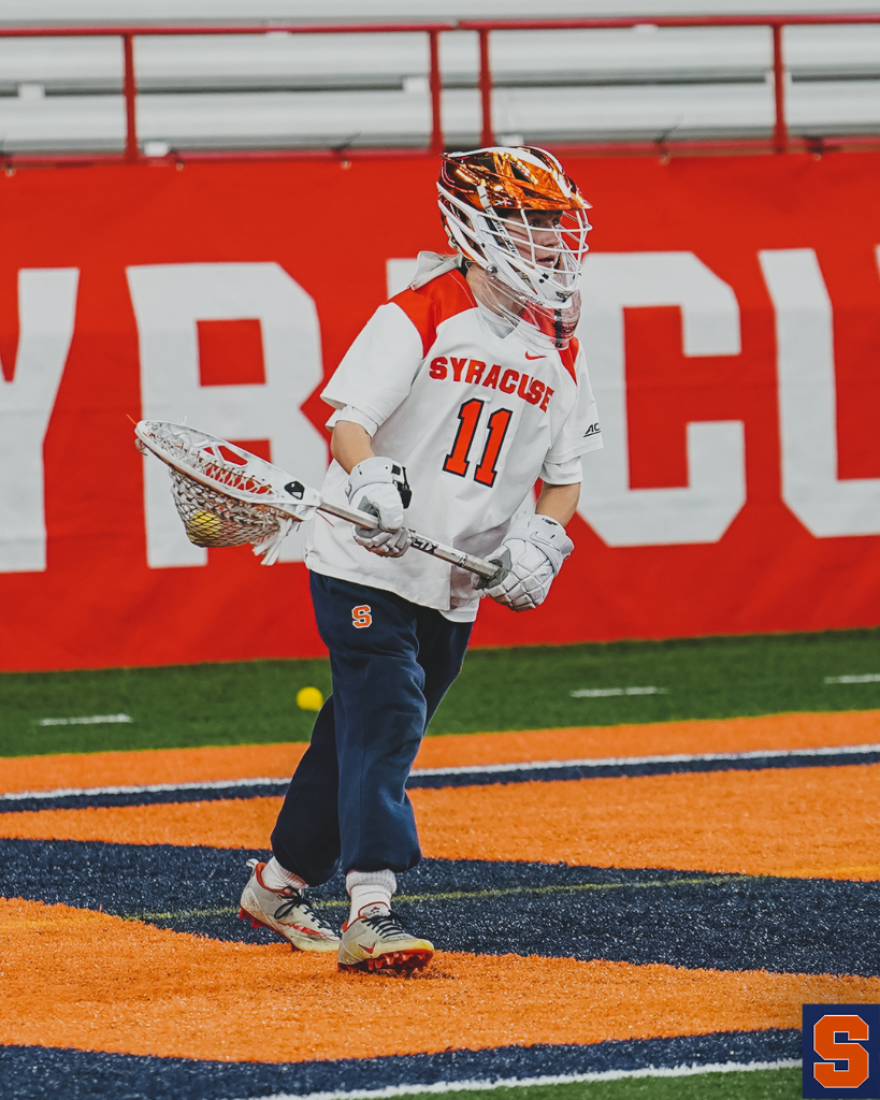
(457, 460)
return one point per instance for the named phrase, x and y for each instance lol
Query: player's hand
(379, 486)
(536, 547)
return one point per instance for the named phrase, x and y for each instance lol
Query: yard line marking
(475, 895)
(278, 786)
(91, 720)
(868, 678)
(227, 911)
(601, 693)
(529, 1082)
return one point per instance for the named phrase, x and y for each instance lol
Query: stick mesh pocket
(214, 519)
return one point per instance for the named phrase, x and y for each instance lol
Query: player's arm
(375, 375)
(536, 546)
(559, 502)
(350, 444)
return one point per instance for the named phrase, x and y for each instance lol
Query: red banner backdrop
(732, 328)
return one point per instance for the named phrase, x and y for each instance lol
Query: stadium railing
(670, 84)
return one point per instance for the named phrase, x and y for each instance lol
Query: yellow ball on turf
(204, 527)
(309, 699)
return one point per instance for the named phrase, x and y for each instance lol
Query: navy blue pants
(392, 663)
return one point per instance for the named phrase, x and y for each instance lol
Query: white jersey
(475, 417)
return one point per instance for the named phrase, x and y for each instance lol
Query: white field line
(528, 1082)
(151, 788)
(471, 769)
(91, 720)
(669, 758)
(868, 678)
(602, 693)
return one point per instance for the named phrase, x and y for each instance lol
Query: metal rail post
(129, 88)
(487, 135)
(437, 143)
(780, 128)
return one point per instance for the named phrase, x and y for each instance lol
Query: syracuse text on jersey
(510, 381)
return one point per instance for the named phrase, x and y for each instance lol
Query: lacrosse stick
(227, 496)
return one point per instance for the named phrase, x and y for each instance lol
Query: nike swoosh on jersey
(535, 356)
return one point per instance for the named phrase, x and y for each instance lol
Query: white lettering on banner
(169, 299)
(46, 315)
(826, 505)
(716, 490)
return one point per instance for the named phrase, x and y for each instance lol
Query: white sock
(370, 892)
(276, 877)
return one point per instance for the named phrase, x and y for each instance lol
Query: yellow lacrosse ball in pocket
(309, 699)
(204, 527)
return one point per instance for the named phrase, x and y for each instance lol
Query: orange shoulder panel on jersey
(569, 355)
(435, 302)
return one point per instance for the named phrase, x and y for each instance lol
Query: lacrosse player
(457, 396)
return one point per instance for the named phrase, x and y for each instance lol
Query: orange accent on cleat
(243, 914)
(401, 962)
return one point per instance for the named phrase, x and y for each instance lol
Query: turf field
(640, 860)
(500, 689)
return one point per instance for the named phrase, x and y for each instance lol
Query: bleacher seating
(280, 90)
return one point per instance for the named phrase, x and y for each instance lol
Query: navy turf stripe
(34, 1073)
(683, 918)
(526, 773)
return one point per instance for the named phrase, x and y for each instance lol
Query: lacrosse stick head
(225, 495)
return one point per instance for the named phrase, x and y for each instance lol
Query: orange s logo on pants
(361, 616)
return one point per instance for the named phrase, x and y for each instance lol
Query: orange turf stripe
(226, 823)
(776, 731)
(93, 982)
(780, 731)
(800, 822)
(113, 769)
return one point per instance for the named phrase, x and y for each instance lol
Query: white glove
(379, 486)
(533, 550)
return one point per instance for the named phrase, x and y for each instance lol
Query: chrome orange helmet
(498, 206)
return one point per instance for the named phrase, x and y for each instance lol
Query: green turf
(703, 678)
(774, 1084)
(500, 689)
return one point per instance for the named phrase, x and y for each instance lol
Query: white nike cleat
(286, 912)
(380, 942)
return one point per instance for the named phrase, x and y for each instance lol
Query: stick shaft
(281, 500)
(469, 562)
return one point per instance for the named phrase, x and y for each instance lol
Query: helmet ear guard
(485, 199)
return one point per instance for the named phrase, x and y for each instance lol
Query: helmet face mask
(515, 214)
